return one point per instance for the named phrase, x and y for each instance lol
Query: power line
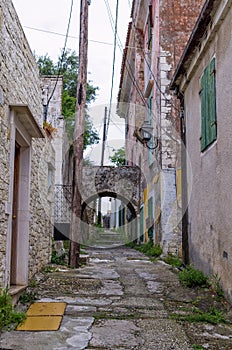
(154, 77)
(127, 65)
(113, 69)
(63, 35)
(60, 63)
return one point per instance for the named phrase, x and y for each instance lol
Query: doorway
(14, 237)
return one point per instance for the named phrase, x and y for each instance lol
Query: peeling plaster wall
(210, 230)
(176, 19)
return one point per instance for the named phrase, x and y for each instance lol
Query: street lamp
(146, 132)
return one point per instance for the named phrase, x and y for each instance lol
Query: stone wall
(20, 84)
(177, 19)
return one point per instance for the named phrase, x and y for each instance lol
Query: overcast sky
(53, 15)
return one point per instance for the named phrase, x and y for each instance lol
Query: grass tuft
(191, 277)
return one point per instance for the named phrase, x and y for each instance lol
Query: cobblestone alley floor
(121, 300)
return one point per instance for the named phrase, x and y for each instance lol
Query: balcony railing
(63, 203)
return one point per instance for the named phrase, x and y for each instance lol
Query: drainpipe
(185, 240)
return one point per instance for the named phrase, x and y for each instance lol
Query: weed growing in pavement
(32, 284)
(191, 277)
(9, 318)
(28, 297)
(197, 347)
(48, 269)
(215, 285)
(148, 248)
(58, 260)
(214, 316)
(173, 260)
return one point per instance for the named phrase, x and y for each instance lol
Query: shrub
(173, 260)
(9, 318)
(28, 297)
(191, 277)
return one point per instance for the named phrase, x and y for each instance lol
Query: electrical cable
(69, 36)
(133, 79)
(60, 63)
(113, 69)
(127, 65)
(154, 77)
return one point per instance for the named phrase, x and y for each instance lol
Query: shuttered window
(150, 207)
(208, 106)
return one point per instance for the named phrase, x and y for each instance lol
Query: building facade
(26, 159)
(203, 79)
(157, 34)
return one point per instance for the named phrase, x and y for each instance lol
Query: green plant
(173, 260)
(28, 297)
(215, 285)
(214, 316)
(197, 347)
(191, 277)
(48, 269)
(58, 260)
(148, 248)
(9, 318)
(32, 284)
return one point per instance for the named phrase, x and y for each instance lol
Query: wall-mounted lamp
(144, 135)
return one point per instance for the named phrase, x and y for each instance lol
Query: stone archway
(122, 183)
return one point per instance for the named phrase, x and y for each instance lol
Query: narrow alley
(120, 300)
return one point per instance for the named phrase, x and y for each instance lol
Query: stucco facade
(209, 171)
(26, 200)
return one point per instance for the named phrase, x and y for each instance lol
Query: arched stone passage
(122, 183)
(118, 182)
(109, 194)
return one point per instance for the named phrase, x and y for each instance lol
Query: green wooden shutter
(142, 223)
(212, 102)
(208, 106)
(150, 207)
(203, 111)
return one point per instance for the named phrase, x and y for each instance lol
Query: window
(150, 122)
(208, 106)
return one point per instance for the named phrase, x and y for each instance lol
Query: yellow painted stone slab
(46, 309)
(41, 323)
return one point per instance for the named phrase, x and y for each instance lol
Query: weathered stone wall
(20, 84)
(41, 205)
(177, 19)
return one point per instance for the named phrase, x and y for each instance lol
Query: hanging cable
(60, 64)
(127, 63)
(113, 69)
(69, 36)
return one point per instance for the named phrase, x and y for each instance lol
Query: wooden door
(15, 216)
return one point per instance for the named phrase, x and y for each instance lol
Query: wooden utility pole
(102, 162)
(75, 239)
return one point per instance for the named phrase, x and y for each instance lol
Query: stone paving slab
(120, 301)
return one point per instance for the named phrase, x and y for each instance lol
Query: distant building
(156, 37)
(203, 80)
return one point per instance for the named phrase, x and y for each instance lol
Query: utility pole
(75, 239)
(102, 162)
